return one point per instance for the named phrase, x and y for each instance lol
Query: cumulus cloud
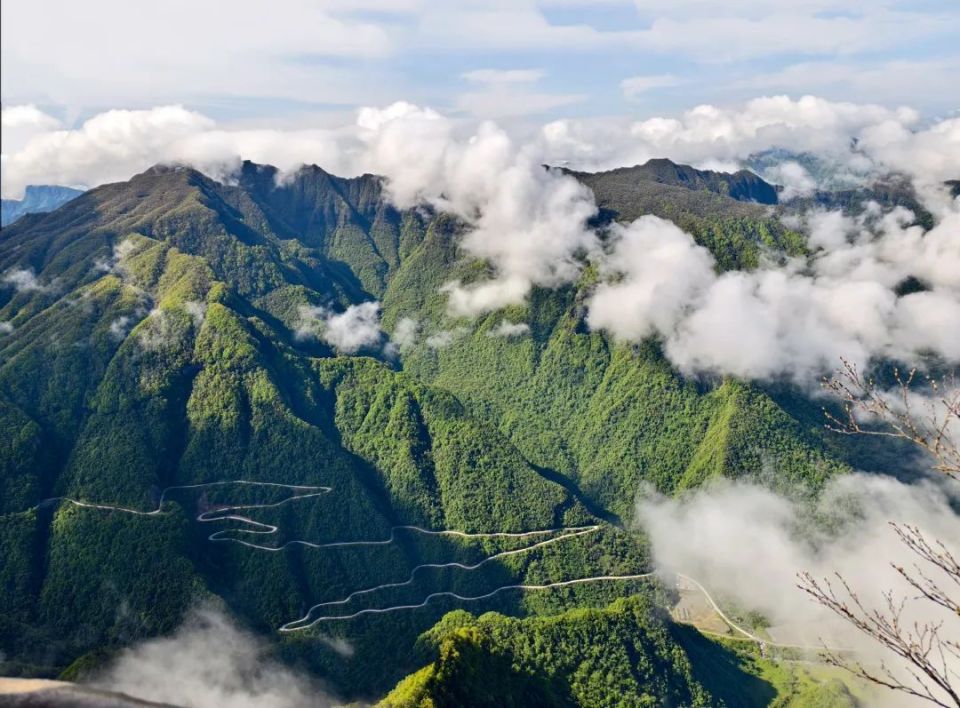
(355, 328)
(21, 123)
(797, 319)
(527, 222)
(862, 135)
(210, 662)
(506, 328)
(658, 272)
(747, 544)
(115, 145)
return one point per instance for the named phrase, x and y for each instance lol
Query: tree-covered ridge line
(627, 653)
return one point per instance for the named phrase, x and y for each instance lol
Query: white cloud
(884, 138)
(444, 338)
(794, 178)
(405, 332)
(108, 147)
(114, 145)
(260, 52)
(120, 327)
(22, 280)
(509, 93)
(744, 29)
(891, 83)
(21, 123)
(506, 328)
(116, 263)
(658, 271)
(310, 55)
(6, 327)
(27, 116)
(517, 25)
(356, 328)
(499, 101)
(210, 662)
(798, 319)
(747, 544)
(197, 311)
(528, 222)
(310, 320)
(722, 39)
(158, 331)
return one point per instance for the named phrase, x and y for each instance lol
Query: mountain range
(161, 365)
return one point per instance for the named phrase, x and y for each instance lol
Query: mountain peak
(166, 168)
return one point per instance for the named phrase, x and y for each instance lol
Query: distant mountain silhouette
(38, 199)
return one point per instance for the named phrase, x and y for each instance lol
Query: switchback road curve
(302, 492)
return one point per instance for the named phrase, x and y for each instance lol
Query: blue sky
(303, 62)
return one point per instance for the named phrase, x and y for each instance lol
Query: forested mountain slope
(154, 362)
(628, 653)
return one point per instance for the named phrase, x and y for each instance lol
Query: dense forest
(158, 353)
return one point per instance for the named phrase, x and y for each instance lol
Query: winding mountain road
(463, 598)
(301, 492)
(219, 514)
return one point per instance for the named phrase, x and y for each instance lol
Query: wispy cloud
(23, 280)
(635, 87)
(508, 329)
(208, 663)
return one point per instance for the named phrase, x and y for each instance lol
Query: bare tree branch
(928, 659)
(930, 430)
